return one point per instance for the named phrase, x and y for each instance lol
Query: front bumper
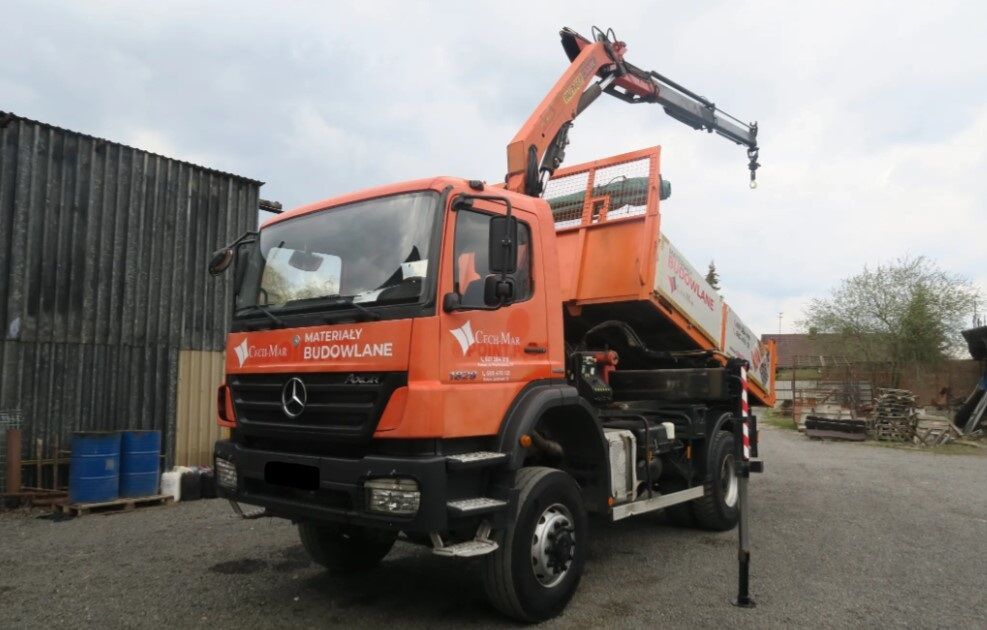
(340, 494)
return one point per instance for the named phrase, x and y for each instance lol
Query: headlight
(393, 496)
(225, 473)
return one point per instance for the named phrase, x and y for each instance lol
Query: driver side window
(470, 262)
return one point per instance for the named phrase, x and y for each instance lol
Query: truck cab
(343, 365)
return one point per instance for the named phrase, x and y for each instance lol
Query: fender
(531, 404)
(537, 401)
(721, 420)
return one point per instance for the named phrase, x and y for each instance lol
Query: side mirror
(503, 245)
(496, 291)
(451, 302)
(220, 260)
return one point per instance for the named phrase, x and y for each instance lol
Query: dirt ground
(843, 535)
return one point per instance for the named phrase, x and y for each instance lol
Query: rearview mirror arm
(242, 239)
(228, 252)
(498, 198)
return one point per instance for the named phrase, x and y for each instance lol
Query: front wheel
(345, 548)
(536, 570)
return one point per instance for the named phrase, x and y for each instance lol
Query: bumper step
(249, 514)
(477, 505)
(479, 546)
(476, 459)
(467, 549)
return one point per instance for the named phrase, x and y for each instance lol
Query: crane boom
(538, 148)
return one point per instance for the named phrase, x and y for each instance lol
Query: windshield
(372, 252)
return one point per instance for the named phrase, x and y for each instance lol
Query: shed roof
(7, 117)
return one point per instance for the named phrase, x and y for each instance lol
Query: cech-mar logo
(491, 341)
(464, 335)
(242, 352)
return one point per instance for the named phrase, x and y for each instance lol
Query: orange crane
(538, 148)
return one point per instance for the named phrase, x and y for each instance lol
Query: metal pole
(13, 460)
(38, 455)
(54, 465)
(743, 599)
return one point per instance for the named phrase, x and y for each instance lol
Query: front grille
(336, 407)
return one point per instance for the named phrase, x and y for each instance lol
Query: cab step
(476, 459)
(475, 505)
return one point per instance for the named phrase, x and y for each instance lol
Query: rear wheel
(345, 548)
(536, 570)
(718, 508)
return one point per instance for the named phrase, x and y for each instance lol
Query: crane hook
(753, 164)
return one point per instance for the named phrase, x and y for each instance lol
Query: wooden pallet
(32, 498)
(895, 418)
(118, 505)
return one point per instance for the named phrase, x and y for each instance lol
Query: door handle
(535, 350)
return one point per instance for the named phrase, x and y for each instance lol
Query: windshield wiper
(274, 318)
(340, 300)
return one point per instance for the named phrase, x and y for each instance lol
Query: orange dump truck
(477, 367)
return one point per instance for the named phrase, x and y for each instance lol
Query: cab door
(488, 356)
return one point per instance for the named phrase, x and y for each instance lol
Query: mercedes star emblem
(293, 397)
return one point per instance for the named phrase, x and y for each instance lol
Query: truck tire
(717, 510)
(536, 570)
(345, 548)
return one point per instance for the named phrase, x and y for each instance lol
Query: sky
(872, 115)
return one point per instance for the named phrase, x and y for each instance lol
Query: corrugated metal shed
(103, 281)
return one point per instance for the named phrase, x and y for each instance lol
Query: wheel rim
(728, 479)
(553, 545)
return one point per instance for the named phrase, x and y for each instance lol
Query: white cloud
(150, 140)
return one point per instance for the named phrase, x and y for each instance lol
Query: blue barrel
(94, 474)
(140, 472)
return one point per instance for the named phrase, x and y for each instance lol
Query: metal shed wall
(103, 281)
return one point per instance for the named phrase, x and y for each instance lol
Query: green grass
(774, 419)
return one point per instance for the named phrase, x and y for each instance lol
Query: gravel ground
(843, 535)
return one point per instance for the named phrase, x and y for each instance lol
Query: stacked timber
(835, 428)
(895, 417)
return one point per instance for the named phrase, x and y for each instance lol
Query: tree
(712, 277)
(907, 312)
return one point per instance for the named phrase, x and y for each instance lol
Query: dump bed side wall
(686, 288)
